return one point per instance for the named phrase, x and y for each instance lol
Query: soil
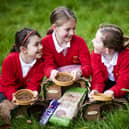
(24, 96)
(64, 78)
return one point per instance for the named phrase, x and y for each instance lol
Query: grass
(116, 120)
(17, 14)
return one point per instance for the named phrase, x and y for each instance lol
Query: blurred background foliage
(17, 14)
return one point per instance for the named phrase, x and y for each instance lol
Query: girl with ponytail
(62, 47)
(110, 61)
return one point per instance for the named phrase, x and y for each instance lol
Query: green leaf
(123, 89)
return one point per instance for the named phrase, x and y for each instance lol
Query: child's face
(65, 32)
(98, 44)
(34, 47)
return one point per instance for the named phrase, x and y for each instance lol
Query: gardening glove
(53, 74)
(76, 74)
(90, 95)
(109, 92)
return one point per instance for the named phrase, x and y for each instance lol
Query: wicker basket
(64, 83)
(102, 97)
(27, 99)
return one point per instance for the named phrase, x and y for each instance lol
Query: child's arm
(8, 78)
(123, 77)
(48, 58)
(99, 73)
(84, 57)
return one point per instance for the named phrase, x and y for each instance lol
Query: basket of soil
(24, 97)
(102, 97)
(64, 79)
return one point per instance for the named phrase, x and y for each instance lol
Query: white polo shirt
(110, 65)
(26, 67)
(60, 49)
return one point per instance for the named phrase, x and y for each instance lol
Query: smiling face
(98, 43)
(65, 31)
(34, 47)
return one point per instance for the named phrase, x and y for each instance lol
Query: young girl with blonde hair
(61, 47)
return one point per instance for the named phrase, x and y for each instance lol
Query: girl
(22, 68)
(63, 48)
(110, 62)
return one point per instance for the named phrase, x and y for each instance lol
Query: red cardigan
(120, 71)
(11, 78)
(78, 53)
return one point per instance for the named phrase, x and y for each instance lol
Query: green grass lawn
(114, 120)
(17, 14)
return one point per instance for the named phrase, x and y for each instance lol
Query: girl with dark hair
(110, 62)
(23, 67)
(61, 47)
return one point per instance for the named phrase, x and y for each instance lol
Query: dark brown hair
(22, 38)
(113, 37)
(59, 16)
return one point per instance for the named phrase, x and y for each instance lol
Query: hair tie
(26, 37)
(106, 35)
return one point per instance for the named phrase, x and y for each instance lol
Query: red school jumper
(12, 78)
(78, 53)
(120, 71)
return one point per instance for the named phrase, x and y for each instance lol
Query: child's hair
(59, 16)
(22, 38)
(113, 37)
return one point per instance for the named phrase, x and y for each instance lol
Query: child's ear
(23, 49)
(53, 26)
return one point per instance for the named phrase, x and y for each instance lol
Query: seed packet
(68, 107)
(49, 111)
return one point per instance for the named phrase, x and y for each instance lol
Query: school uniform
(102, 75)
(75, 52)
(13, 78)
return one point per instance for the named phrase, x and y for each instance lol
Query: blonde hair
(59, 16)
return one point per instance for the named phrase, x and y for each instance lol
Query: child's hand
(35, 93)
(53, 74)
(90, 95)
(14, 99)
(76, 74)
(109, 92)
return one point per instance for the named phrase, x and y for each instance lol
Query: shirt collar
(58, 48)
(112, 62)
(26, 65)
